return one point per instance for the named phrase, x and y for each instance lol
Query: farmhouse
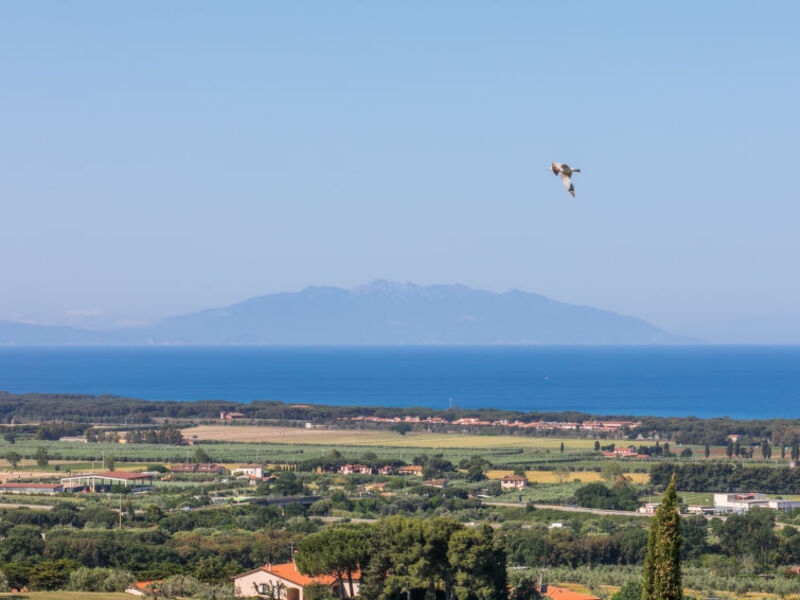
(285, 582)
(630, 452)
(31, 488)
(513, 482)
(437, 483)
(255, 471)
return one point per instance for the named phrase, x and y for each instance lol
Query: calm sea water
(741, 382)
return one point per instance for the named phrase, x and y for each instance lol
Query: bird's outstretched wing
(568, 184)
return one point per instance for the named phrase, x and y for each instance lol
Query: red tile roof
(143, 585)
(289, 572)
(559, 593)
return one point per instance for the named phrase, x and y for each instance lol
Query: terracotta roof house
(437, 483)
(285, 582)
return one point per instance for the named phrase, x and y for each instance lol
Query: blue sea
(704, 381)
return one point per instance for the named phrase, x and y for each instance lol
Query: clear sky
(163, 157)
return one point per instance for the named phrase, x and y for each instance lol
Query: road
(578, 509)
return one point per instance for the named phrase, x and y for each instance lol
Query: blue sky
(159, 158)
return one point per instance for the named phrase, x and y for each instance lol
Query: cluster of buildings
(351, 469)
(741, 503)
(596, 426)
(731, 504)
(406, 419)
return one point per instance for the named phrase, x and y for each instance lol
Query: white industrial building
(741, 503)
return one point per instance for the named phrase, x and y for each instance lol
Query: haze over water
(704, 381)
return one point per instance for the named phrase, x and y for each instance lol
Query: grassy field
(289, 435)
(697, 498)
(552, 477)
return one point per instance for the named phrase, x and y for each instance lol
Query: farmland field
(552, 476)
(697, 498)
(351, 437)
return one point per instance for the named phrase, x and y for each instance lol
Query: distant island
(380, 313)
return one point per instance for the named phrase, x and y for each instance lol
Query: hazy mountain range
(380, 313)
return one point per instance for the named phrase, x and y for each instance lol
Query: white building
(649, 508)
(780, 504)
(255, 471)
(513, 482)
(741, 503)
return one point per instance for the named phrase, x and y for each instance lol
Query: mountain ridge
(380, 312)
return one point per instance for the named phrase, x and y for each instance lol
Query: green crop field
(370, 437)
(500, 450)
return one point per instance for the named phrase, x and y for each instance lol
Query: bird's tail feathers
(576, 170)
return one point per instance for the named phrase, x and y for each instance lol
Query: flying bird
(566, 175)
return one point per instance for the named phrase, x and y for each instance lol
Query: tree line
(720, 476)
(87, 409)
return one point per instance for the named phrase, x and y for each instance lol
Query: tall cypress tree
(662, 568)
(647, 580)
